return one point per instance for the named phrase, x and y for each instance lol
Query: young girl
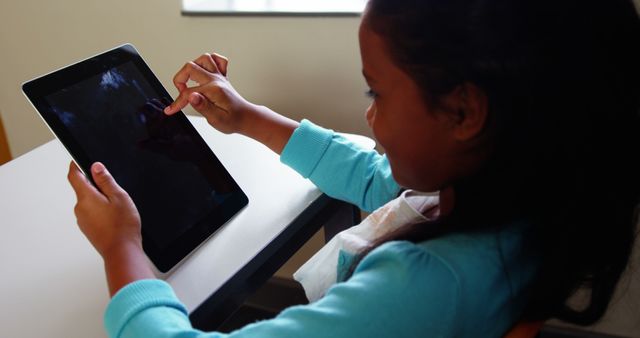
(522, 114)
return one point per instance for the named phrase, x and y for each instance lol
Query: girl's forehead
(374, 53)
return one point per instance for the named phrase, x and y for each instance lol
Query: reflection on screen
(117, 118)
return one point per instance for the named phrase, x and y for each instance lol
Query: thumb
(201, 104)
(104, 180)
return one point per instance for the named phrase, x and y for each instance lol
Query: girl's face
(418, 140)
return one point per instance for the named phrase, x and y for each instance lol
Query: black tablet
(109, 108)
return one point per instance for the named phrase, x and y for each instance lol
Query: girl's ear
(472, 108)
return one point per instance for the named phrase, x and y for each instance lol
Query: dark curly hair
(562, 79)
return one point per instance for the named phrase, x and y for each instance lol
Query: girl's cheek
(370, 115)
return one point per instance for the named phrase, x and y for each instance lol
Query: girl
(522, 114)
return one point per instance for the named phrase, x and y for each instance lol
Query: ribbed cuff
(135, 298)
(305, 148)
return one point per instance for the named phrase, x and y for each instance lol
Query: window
(273, 7)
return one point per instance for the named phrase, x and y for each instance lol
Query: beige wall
(301, 67)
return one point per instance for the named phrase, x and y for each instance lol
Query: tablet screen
(115, 116)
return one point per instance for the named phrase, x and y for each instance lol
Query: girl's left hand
(110, 220)
(108, 216)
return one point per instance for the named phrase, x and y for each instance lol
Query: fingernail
(98, 168)
(195, 99)
(167, 109)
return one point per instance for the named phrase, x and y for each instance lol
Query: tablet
(109, 108)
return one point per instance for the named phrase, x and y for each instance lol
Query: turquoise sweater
(461, 285)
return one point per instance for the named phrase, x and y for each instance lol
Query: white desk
(53, 283)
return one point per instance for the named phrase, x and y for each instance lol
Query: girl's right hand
(224, 108)
(213, 96)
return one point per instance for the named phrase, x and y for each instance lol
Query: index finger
(181, 101)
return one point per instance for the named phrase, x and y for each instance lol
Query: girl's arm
(338, 167)
(111, 222)
(401, 291)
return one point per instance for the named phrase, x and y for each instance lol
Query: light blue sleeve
(398, 290)
(339, 167)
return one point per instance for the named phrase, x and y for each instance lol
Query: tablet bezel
(38, 89)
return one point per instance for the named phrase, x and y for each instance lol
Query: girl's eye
(371, 94)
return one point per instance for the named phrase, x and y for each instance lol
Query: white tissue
(319, 273)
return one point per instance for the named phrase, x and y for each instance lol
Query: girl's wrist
(249, 119)
(122, 250)
(124, 264)
(267, 127)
